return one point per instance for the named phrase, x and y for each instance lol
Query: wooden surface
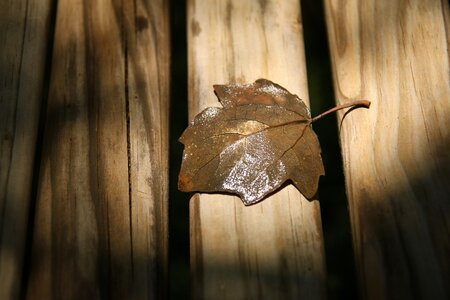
(24, 37)
(273, 249)
(101, 215)
(396, 157)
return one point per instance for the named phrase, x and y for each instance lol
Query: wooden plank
(396, 158)
(24, 35)
(101, 217)
(273, 249)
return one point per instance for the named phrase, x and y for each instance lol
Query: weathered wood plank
(101, 216)
(24, 36)
(396, 158)
(273, 249)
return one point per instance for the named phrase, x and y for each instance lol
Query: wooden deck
(85, 100)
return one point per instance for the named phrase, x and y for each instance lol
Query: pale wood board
(396, 157)
(101, 214)
(273, 249)
(24, 38)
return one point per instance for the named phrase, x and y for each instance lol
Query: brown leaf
(259, 139)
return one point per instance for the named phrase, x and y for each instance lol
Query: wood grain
(396, 158)
(24, 36)
(273, 249)
(101, 213)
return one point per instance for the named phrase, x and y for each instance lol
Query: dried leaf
(259, 139)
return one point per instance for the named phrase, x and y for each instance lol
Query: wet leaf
(259, 139)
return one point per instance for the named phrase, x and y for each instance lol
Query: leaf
(261, 138)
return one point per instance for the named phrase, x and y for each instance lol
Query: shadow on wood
(101, 214)
(396, 154)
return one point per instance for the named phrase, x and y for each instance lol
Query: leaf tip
(185, 184)
(218, 88)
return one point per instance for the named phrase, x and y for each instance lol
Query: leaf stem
(358, 103)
